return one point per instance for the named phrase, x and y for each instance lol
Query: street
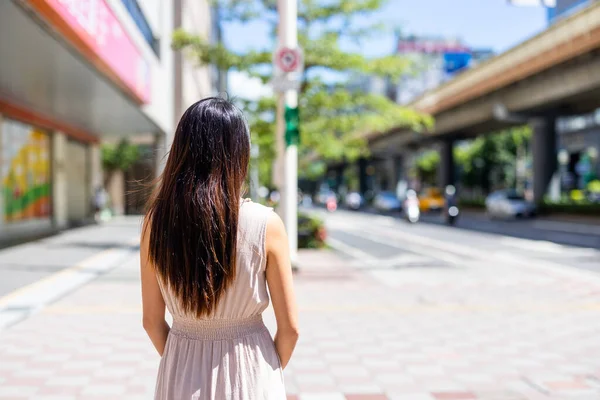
(393, 311)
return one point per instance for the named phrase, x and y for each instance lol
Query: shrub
(311, 232)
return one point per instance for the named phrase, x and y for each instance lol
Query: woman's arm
(281, 288)
(153, 304)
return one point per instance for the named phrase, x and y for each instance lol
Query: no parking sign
(288, 65)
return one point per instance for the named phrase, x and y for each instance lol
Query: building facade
(435, 60)
(75, 74)
(564, 8)
(578, 135)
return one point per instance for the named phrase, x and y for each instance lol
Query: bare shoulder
(146, 224)
(276, 234)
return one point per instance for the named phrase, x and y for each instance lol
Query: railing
(139, 18)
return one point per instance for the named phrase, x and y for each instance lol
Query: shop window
(25, 173)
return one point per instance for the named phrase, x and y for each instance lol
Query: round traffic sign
(288, 60)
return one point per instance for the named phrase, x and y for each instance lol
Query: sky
(491, 24)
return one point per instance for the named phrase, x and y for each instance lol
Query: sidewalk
(412, 334)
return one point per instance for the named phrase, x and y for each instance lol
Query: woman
(208, 256)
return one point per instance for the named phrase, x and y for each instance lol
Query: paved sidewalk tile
(365, 335)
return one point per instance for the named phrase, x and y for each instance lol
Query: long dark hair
(193, 216)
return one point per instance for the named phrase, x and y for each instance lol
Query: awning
(41, 73)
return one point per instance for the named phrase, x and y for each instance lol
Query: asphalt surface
(30, 262)
(378, 241)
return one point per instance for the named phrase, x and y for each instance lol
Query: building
(435, 60)
(563, 8)
(74, 74)
(193, 82)
(578, 135)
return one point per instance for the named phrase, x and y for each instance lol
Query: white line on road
(545, 246)
(351, 251)
(29, 299)
(448, 250)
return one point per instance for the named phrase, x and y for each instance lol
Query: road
(377, 240)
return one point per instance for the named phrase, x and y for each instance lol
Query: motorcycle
(331, 204)
(411, 208)
(451, 207)
(452, 215)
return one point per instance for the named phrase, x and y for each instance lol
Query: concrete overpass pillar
(335, 177)
(544, 154)
(339, 177)
(393, 171)
(446, 167)
(363, 183)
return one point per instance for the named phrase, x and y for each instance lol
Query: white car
(509, 204)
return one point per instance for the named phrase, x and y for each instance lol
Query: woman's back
(226, 352)
(247, 296)
(208, 256)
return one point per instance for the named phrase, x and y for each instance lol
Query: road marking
(547, 247)
(450, 251)
(351, 251)
(484, 255)
(29, 299)
(49, 280)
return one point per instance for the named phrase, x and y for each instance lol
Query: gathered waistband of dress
(217, 329)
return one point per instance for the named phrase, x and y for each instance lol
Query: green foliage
(118, 157)
(490, 160)
(427, 165)
(594, 186)
(311, 232)
(332, 117)
(581, 208)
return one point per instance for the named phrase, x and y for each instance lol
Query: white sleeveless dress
(230, 355)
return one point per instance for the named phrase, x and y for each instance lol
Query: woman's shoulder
(252, 208)
(254, 212)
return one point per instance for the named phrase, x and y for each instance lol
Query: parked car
(509, 204)
(354, 201)
(387, 202)
(431, 199)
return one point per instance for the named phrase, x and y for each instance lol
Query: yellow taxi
(431, 199)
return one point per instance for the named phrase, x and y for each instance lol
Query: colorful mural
(25, 172)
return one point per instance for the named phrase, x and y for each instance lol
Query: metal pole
(288, 37)
(254, 152)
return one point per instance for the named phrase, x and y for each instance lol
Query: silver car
(509, 204)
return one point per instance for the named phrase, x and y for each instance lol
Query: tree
(118, 157)
(427, 167)
(332, 115)
(491, 160)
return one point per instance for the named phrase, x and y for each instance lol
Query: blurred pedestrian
(208, 256)
(100, 202)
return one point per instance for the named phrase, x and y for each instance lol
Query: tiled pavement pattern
(405, 334)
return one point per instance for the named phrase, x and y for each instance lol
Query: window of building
(140, 20)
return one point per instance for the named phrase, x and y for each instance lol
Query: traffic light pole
(288, 37)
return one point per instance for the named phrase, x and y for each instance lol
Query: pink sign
(96, 24)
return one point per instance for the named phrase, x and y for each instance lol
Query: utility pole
(254, 153)
(287, 132)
